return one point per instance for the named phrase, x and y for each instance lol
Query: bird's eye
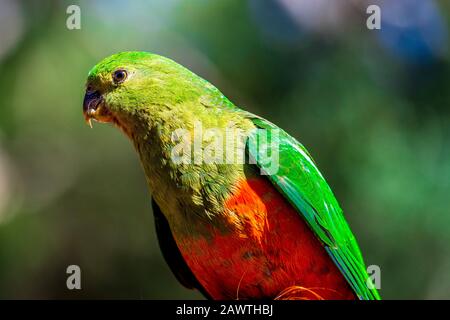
(119, 76)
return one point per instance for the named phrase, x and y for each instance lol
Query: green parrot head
(127, 85)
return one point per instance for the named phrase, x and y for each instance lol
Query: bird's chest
(264, 250)
(193, 198)
(227, 266)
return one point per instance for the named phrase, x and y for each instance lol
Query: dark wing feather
(172, 254)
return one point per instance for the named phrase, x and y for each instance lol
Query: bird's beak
(94, 108)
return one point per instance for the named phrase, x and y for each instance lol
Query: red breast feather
(268, 252)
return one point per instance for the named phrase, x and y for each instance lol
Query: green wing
(299, 180)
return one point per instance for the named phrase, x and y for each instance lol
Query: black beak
(91, 102)
(94, 108)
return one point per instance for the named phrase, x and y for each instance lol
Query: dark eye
(119, 76)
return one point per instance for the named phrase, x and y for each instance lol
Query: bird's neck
(191, 191)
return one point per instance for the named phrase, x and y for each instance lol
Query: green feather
(304, 186)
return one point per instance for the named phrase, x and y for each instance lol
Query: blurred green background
(372, 106)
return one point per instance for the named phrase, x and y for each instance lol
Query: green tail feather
(304, 186)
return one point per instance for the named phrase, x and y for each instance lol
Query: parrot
(239, 228)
